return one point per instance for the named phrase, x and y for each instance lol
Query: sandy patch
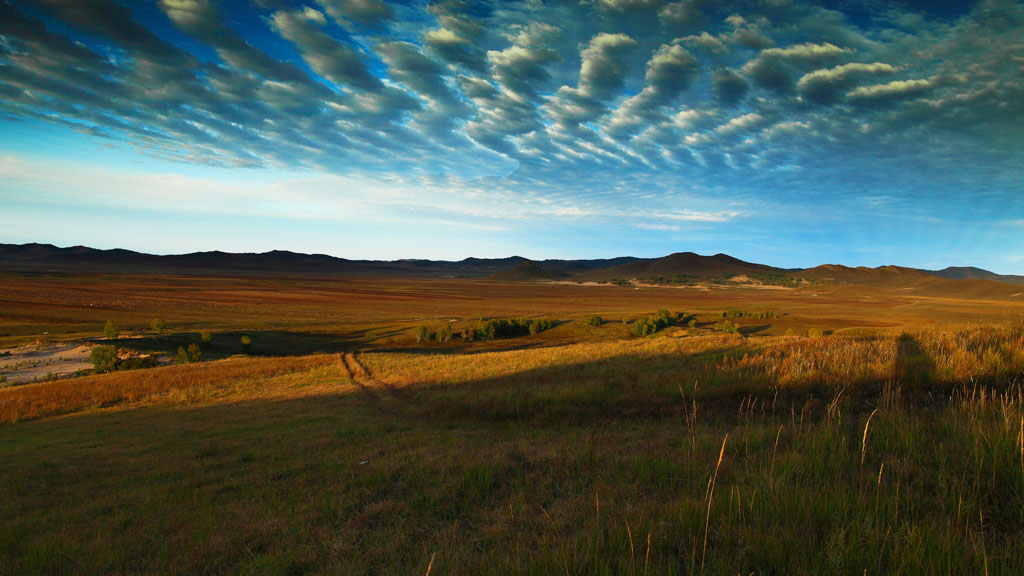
(34, 361)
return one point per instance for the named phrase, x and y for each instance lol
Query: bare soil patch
(34, 362)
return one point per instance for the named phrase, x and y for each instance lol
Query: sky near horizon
(785, 132)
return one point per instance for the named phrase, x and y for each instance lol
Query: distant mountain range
(972, 273)
(46, 257)
(682, 267)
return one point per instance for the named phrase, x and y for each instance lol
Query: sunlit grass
(687, 452)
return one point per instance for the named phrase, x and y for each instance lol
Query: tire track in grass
(386, 397)
(389, 389)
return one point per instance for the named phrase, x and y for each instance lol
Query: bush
(650, 325)
(158, 325)
(766, 314)
(510, 328)
(644, 327)
(727, 326)
(246, 343)
(593, 320)
(194, 352)
(422, 333)
(182, 356)
(111, 329)
(103, 358)
(205, 338)
(445, 333)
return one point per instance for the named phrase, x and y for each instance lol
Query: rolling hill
(961, 282)
(678, 264)
(972, 273)
(911, 281)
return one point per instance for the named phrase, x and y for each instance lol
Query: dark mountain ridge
(47, 257)
(961, 282)
(973, 273)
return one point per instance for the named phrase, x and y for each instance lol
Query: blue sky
(786, 132)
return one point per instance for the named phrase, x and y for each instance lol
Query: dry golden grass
(954, 354)
(895, 445)
(586, 458)
(234, 379)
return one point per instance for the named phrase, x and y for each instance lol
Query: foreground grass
(716, 455)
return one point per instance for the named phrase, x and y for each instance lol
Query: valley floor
(579, 450)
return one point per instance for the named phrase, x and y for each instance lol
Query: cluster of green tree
(748, 314)
(777, 279)
(619, 282)
(443, 334)
(685, 279)
(727, 326)
(506, 328)
(651, 324)
(593, 320)
(104, 359)
(189, 355)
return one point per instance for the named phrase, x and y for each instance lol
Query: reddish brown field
(853, 430)
(76, 306)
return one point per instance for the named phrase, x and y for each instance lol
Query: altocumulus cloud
(691, 106)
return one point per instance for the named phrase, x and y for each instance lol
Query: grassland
(895, 444)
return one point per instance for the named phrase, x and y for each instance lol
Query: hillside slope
(973, 273)
(680, 263)
(911, 281)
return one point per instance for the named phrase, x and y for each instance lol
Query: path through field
(385, 396)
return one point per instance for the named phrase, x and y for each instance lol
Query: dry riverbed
(34, 362)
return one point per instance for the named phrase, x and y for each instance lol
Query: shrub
(182, 356)
(158, 325)
(767, 314)
(727, 326)
(111, 329)
(246, 343)
(422, 333)
(647, 326)
(194, 352)
(103, 358)
(445, 333)
(205, 338)
(593, 320)
(510, 328)
(369, 337)
(644, 327)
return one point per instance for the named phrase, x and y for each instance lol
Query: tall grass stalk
(711, 495)
(864, 440)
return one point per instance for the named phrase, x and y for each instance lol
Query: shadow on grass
(913, 365)
(748, 330)
(229, 343)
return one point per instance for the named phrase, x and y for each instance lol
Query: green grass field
(893, 445)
